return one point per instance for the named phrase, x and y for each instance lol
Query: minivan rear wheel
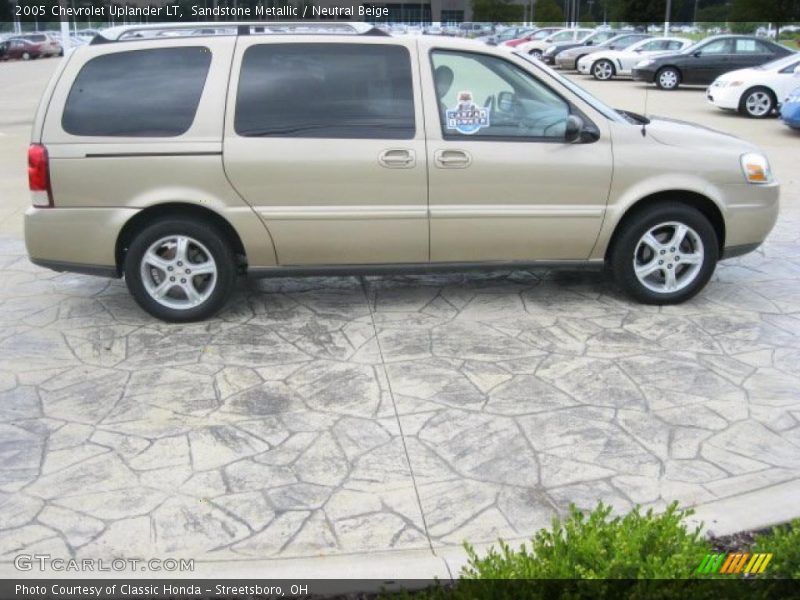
(664, 254)
(180, 270)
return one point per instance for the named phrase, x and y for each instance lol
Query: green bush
(784, 543)
(596, 546)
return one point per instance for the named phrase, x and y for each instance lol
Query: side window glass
(746, 47)
(762, 48)
(485, 96)
(716, 47)
(326, 91)
(138, 93)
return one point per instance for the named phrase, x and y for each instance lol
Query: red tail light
(39, 176)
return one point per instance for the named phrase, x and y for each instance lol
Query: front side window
(485, 96)
(139, 93)
(717, 47)
(326, 91)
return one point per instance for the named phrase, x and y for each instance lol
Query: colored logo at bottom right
(735, 562)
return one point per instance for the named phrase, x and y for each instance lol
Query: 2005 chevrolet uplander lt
(179, 162)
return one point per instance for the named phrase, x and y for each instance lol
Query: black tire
(26, 56)
(755, 112)
(537, 54)
(217, 245)
(668, 78)
(626, 241)
(603, 70)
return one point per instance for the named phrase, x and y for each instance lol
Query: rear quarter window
(138, 93)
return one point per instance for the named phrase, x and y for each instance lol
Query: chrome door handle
(452, 159)
(397, 158)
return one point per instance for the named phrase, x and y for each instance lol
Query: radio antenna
(644, 123)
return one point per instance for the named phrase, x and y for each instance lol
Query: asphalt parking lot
(330, 416)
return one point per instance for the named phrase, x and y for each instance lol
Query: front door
(504, 183)
(326, 141)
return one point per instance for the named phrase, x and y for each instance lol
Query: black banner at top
(705, 14)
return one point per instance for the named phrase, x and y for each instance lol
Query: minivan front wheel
(665, 254)
(180, 270)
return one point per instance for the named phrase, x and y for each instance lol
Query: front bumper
(82, 240)
(750, 214)
(584, 67)
(549, 60)
(647, 74)
(724, 97)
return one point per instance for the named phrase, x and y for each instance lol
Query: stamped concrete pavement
(330, 416)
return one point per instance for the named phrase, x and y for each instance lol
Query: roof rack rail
(195, 29)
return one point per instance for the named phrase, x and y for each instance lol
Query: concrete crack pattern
(340, 415)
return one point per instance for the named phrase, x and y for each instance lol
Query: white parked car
(607, 64)
(756, 92)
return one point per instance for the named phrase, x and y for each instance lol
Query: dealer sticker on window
(467, 117)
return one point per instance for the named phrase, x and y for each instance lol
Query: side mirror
(576, 131)
(589, 43)
(506, 102)
(696, 54)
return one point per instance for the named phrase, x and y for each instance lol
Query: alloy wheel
(668, 257)
(178, 272)
(603, 70)
(758, 103)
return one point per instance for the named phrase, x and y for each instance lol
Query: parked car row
(754, 76)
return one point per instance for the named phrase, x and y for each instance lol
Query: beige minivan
(182, 161)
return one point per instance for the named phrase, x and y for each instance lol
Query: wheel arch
(601, 59)
(174, 209)
(703, 203)
(669, 66)
(772, 92)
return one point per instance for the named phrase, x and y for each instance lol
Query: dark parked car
(19, 48)
(703, 62)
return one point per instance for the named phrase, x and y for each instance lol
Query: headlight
(644, 63)
(756, 168)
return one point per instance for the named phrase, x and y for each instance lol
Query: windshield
(777, 65)
(696, 46)
(622, 41)
(601, 107)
